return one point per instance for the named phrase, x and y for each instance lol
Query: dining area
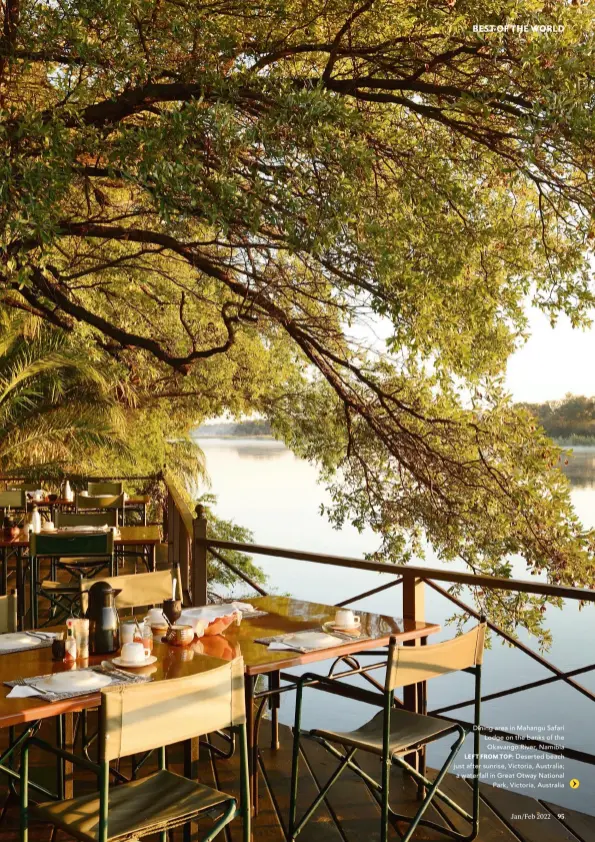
(232, 647)
(133, 707)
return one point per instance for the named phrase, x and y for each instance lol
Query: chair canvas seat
(137, 808)
(408, 729)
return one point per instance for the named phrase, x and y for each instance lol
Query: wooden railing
(185, 529)
(414, 580)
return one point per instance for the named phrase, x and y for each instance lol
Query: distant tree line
(257, 427)
(571, 417)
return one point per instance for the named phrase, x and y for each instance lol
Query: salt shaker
(70, 646)
(147, 635)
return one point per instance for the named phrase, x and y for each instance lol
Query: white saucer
(346, 629)
(134, 664)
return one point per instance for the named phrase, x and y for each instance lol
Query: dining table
(271, 616)
(141, 541)
(133, 502)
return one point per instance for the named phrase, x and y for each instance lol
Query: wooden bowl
(179, 635)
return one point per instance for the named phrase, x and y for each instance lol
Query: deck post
(169, 527)
(199, 558)
(414, 611)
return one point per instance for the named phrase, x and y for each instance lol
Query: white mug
(135, 653)
(346, 618)
(156, 616)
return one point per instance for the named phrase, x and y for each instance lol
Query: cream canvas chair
(393, 732)
(107, 518)
(8, 613)
(94, 488)
(15, 499)
(140, 589)
(97, 503)
(139, 718)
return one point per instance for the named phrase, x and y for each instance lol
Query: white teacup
(346, 618)
(155, 616)
(134, 653)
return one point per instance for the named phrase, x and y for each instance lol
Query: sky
(553, 362)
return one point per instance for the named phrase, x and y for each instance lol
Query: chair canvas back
(8, 613)
(142, 717)
(115, 502)
(412, 664)
(140, 588)
(99, 544)
(115, 488)
(107, 518)
(12, 499)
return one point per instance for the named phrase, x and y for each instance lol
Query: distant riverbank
(259, 429)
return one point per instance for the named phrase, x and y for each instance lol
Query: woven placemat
(36, 643)
(119, 677)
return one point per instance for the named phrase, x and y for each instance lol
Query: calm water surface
(263, 486)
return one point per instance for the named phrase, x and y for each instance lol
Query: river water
(262, 485)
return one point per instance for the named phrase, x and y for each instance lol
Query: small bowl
(52, 498)
(180, 635)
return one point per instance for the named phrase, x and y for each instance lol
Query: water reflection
(258, 448)
(581, 467)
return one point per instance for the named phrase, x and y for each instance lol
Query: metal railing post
(199, 558)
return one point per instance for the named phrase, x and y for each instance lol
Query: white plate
(16, 640)
(63, 682)
(312, 640)
(134, 664)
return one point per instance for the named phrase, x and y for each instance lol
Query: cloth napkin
(244, 607)
(21, 691)
(207, 614)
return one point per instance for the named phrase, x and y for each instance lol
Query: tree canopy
(227, 199)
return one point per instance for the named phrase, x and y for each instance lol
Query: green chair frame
(80, 555)
(103, 770)
(380, 790)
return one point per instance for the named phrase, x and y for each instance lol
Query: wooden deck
(350, 813)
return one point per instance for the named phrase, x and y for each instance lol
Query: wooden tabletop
(172, 662)
(131, 500)
(128, 536)
(284, 615)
